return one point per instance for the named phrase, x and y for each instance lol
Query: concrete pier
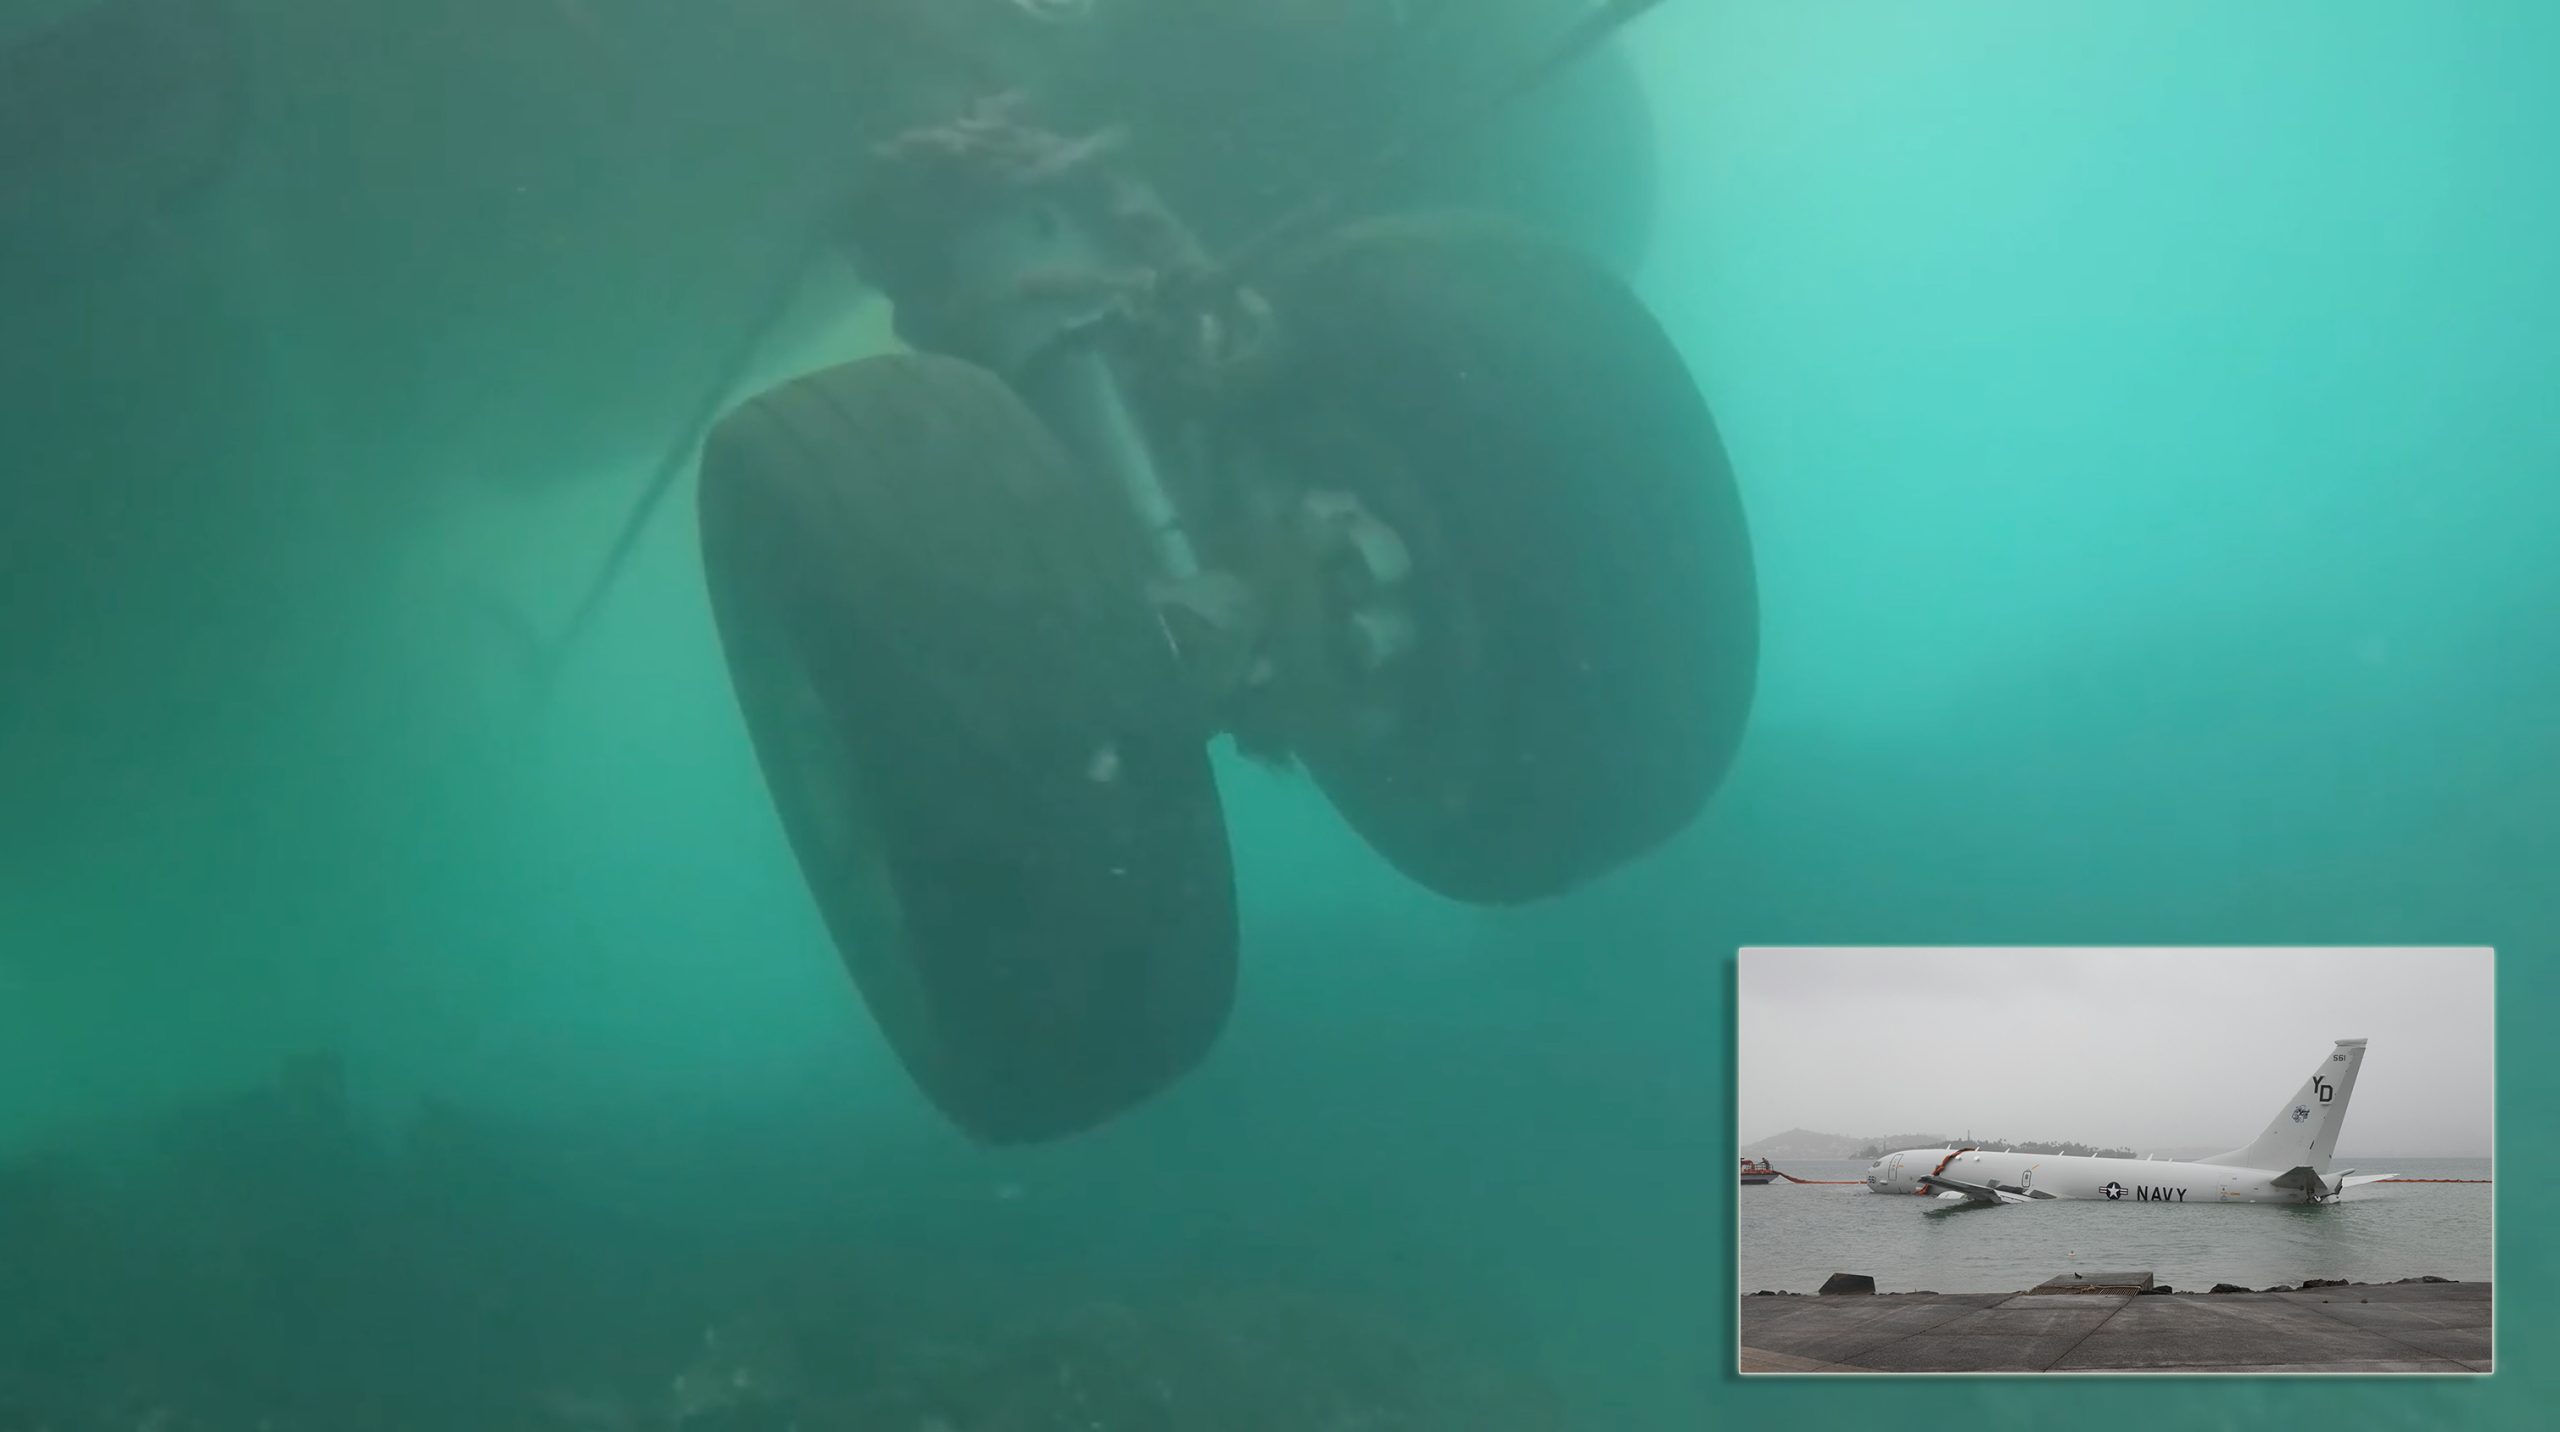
(2387, 1327)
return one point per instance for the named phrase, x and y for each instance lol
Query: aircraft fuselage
(2288, 1163)
(2082, 1176)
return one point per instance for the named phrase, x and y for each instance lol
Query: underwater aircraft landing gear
(1429, 505)
(972, 727)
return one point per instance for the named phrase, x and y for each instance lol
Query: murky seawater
(2142, 418)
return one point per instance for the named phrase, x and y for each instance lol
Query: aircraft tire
(970, 721)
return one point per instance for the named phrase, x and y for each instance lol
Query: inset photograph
(2181, 1160)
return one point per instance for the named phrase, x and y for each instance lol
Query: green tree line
(1880, 1148)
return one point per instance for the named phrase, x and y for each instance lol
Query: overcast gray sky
(2143, 1048)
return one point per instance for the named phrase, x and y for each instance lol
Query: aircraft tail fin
(2304, 1132)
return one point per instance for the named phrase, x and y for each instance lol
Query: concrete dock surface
(2387, 1327)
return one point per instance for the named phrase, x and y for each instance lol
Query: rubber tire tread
(1562, 472)
(970, 615)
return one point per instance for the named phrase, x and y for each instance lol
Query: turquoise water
(2143, 418)
(1792, 1240)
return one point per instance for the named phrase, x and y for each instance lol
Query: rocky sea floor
(266, 1264)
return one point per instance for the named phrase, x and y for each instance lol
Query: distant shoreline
(1751, 1151)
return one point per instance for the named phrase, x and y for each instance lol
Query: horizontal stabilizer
(2314, 1184)
(2306, 1178)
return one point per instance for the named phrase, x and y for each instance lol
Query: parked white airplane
(2288, 1164)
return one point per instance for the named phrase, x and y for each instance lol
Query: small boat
(1758, 1171)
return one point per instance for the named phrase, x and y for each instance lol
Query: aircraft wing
(1973, 1192)
(2365, 1178)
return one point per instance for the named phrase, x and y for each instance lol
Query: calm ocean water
(1792, 1236)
